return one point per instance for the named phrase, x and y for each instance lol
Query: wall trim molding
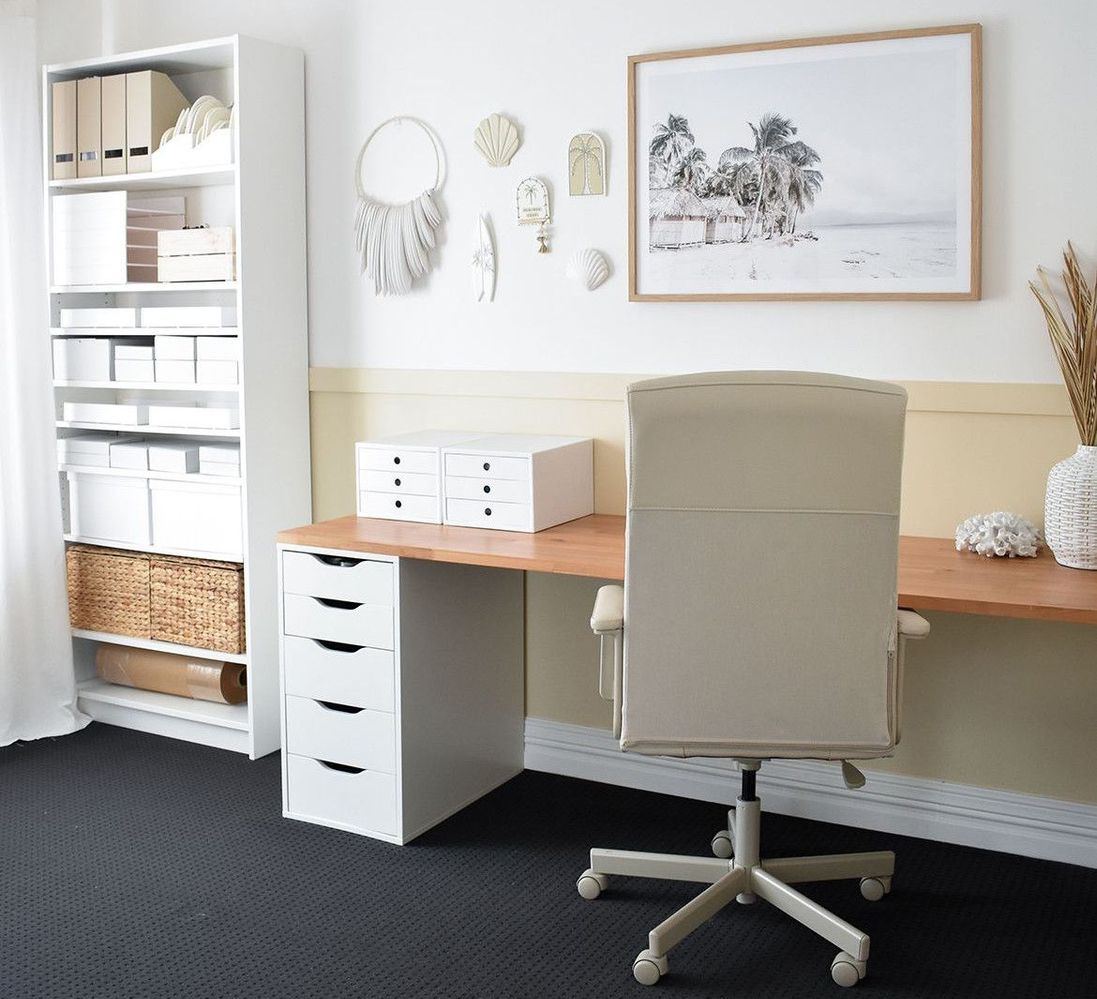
(1023, 824)
(1001, 398)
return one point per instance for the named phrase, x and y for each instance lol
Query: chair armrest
(912, 625)
(609, 610)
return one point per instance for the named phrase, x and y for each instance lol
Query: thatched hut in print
(726, 219)
(677, 218)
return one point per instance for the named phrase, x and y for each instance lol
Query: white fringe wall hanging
(394, 240)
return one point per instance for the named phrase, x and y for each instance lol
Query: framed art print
(845, 167)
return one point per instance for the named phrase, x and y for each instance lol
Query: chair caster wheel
(647, 969)
(591, 885)
(721, 845)
(874, 889)
(846, 970)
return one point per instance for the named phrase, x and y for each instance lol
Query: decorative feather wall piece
(394, 240)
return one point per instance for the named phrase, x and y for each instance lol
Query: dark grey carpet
(135, 866)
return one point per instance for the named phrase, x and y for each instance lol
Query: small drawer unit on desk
(400, 478)
(518, 482)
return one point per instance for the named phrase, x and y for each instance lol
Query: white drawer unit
(400, 478)
(342, 674)
(344, 621)
(340, 733)
(518, 482)
(402, 688)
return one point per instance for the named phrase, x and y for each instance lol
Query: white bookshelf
(261, 194)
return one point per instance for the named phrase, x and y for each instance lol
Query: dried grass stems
(1074, 341)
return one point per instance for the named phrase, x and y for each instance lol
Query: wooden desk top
(932, 574)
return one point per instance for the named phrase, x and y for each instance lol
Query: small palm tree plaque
(586, 164)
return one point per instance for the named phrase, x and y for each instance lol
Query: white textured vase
(1070, 509)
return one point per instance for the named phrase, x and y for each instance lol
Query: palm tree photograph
(839, 169)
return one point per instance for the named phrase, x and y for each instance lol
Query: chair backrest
(760, 574)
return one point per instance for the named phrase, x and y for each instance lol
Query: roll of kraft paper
(201, 679)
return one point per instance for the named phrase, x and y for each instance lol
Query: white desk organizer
(518, 482)
(400, 478)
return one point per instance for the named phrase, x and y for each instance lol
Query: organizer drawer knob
(399, 503)
(487, 511)
(396, 481)
(487, 489)
(487, 466)
(396, 460)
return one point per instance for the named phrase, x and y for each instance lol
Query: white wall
(559, 68)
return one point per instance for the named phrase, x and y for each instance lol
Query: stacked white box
(114, 413)
(174, 348)
(217, 348)
(109, 508)
(90, 450)
(89, 238)
(219, 459)
(196, 516)
(112, 318)
(83, 359)
(130, 454)
(188, 316)
(217, 373)
(195, 417)
(174, 456)
(133, 361)
(175, 372)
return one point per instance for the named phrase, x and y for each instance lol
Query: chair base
(743, 877)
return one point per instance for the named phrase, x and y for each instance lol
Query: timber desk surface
(932, 574)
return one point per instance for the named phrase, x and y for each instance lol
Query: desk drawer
(386, 459)
(359, 737)
(351, 623)
(343, 674)
(497, 490)
(416, 484)
(425, 509)
(336, 578)
(488, 513)
(365, 800)
(472, 465)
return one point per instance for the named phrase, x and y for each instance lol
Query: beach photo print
(841, 167)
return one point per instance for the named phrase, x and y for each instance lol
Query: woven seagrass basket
(108, 590)
(197, 602)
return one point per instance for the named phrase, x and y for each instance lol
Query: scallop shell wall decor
(587, 267)
(497, 138)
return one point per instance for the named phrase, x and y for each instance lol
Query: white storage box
(188, 316)
(197, 417)
(219, 459)
(217, 373)
(114, 318)
(518, 482)
(130, 350)
(218, 348)
(196, 516)
(89, 238)
(178, 372)
(400, 478)
(204, 267)
(174, 348)
(106, 412)
(173, 456)
(129, 454)
(109, 508)
(89, 450)
(133, 371)
(199, 240)
(79, 359)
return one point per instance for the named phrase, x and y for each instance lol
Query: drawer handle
(338, 646)
(345, 709)
(338, 604)
(342, 768)
(396, 461)
(338, 561)
(487, 466)
(487, 511)
(487, 489)
(396, 482)
(399, 503)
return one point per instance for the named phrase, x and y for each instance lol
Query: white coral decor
(998, 533)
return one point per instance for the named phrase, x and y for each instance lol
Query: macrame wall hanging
(394, 240)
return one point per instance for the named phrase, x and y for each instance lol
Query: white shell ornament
(497, 139)
(587, 267)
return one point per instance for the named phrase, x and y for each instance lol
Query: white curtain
(37, 690)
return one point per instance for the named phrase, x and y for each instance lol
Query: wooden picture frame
(909, 231)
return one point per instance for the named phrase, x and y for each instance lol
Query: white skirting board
(1024, 824)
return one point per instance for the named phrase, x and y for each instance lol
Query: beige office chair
(758, 618)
